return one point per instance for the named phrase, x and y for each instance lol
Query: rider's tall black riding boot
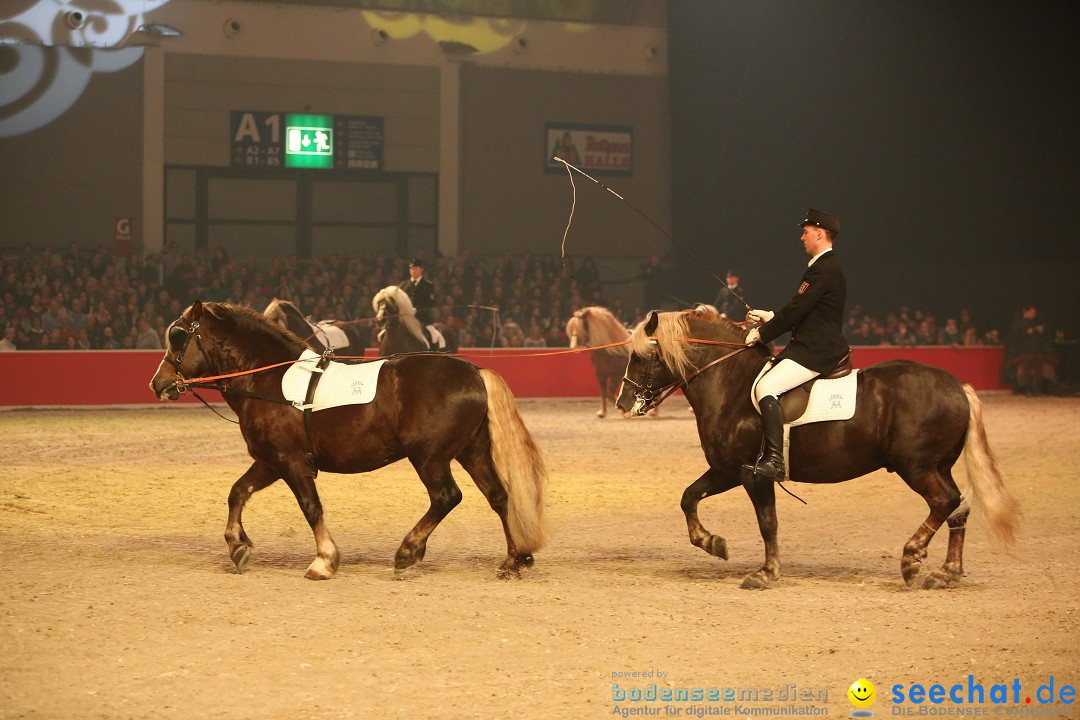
(771, 464)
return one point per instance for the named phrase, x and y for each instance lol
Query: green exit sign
(309, 141)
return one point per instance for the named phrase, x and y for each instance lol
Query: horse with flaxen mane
(911, 419)
(595, 326)
(430, 409)
(399, 330)
(348, 338)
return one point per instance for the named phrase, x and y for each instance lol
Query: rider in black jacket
(815, 318)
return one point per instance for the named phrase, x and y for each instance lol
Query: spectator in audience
(148, 338)
(903, 336)
(950, 334)
(7, 343)
(534, 338)
(925, 335)
(512, 335)
(729, 300)
(864, 335)
(1031, 354)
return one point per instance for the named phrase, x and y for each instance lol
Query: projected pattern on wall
(49, 51)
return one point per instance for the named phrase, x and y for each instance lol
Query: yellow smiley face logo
(861, 693)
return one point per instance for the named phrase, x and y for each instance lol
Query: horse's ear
(195, 311)
(651, 322)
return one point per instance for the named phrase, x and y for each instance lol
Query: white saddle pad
(829, 399)
(439, 340)
(341, 383)
(330, 336)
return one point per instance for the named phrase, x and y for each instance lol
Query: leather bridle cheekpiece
(180, 336)
(651, 397)
(644, 392)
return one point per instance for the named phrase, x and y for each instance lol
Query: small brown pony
(911, 419)
(317, 335)
(430, 409)
(400, 331)
(595, 326)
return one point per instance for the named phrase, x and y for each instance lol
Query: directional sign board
(275, 140)
(255, 138)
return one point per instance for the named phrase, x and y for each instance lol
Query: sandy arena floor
(119, 599)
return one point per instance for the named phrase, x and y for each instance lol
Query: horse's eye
(177, 336)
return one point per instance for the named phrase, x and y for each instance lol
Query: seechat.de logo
(862, 695)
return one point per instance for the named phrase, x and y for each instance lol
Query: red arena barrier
(121, 377)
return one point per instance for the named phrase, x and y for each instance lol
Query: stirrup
(765, 469)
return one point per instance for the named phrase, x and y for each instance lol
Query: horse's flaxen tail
(519, 465)
(986, 491)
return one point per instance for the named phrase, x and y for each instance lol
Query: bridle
(650, 397)
(180, 337)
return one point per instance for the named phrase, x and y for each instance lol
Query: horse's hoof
(322, 568)
(910, 571)
(936, 581)
(754, 582)
(600, 414)
(525, 559)
(241, 557)
(405, 558)
(715, 545)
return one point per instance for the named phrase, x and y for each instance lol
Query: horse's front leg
(710, 483)
(762, 492)
(301, 480)
(256, 478)
(603, 382)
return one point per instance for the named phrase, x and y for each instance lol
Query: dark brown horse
(430, 409)
(911, 419)
(593, 327)
(399, 330)
(347, 338)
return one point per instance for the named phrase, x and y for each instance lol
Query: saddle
(794, 402)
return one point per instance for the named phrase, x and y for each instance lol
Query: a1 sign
(256, 139)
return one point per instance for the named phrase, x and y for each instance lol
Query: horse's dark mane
(247, 319)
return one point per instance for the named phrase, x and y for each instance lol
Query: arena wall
(121, 377)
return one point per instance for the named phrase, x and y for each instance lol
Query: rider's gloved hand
(762, 316)
(752, 337)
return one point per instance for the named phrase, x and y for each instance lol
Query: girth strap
(313, 382)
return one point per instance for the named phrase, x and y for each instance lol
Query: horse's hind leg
(953, 567)
(943, 497)
(710, 483)
(301, 480)
(445, 496)
(480, 467)
(763, 494)
(256, 478)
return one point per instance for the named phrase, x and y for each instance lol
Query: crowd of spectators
(93, 299)
(907, 327)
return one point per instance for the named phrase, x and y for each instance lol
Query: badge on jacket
(803, 287)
